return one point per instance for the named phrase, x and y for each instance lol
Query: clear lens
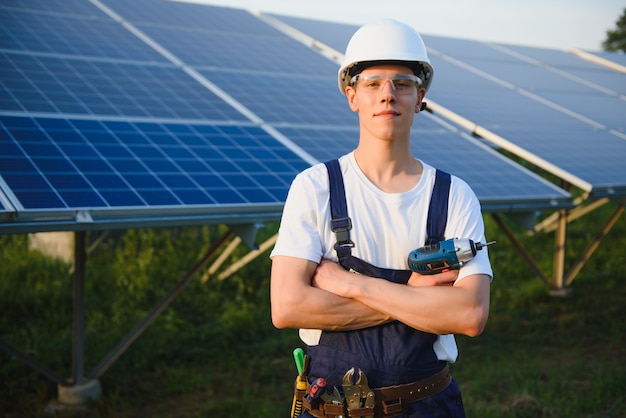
(400, 83)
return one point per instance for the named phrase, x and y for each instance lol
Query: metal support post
(78, 389)
(559, 288)
(78, 320)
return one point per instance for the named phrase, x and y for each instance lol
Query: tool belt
(387, 401)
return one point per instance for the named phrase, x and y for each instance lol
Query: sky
(558, 24)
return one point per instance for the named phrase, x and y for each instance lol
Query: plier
(359, 397)
(334, 405)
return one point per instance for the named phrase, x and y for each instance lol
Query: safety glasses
(400, 83)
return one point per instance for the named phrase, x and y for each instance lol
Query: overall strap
(438, 209)
(340, 222)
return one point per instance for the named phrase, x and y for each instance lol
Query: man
(395, 329)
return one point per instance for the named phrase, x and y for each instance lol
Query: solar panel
(70, 7)
(552, 108)
(246, 52)
(575, 68)
(62, 165)
(331, 34)
(35, 83)
(71, 34)
(189, 16)
(293, 99)
(499, 184)
(568, 128)
(184, 113)
(562, 79)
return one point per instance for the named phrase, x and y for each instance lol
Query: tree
(616, 39)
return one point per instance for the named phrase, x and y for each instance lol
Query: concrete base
(80, 393)
(59, 245)
(55, 408)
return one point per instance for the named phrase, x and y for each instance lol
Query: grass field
(214, 353)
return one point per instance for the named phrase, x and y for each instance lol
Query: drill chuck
(446, 255)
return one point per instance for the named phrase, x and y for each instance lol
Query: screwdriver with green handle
(298, 356)
(302, 364)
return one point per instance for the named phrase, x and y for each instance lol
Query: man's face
(386, 98)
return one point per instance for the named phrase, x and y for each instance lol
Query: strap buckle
(341, 227)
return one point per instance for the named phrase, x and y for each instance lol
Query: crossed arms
(305, 294)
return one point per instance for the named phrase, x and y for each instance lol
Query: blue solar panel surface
(288, 99)
(185, 110)
(560, 78)
(69, 7)
(578, 69)
(175, 144)
(190, 16)
(560, 121)
(63, 164)
(333, 35)
(33, 83)
(77, 35)
(240, 51)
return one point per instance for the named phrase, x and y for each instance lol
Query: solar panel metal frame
(614, 60)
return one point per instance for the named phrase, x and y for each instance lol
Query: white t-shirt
(386, 227)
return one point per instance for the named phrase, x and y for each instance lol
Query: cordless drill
(450, 254)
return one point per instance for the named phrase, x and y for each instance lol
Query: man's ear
(351, 95)
(420, 99)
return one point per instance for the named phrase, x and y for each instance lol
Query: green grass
(214, 353)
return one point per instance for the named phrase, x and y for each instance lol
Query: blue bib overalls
(392, 353)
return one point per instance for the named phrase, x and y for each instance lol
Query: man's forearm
(320, 309)
(460, 309)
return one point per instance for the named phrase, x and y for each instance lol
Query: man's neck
(390, 168)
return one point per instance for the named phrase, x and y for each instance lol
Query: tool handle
(296, 408)
(298, 356)
(301, 386)
(299, 391)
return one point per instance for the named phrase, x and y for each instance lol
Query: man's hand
(441, 279)
(327, 277)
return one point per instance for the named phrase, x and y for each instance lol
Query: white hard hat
(385, 41)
